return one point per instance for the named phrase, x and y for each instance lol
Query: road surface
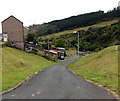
(58, 83)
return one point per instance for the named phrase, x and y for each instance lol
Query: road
(58, 83)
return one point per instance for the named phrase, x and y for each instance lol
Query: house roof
(52, 51)
(60, 48)
(58, 51)
(13, 17)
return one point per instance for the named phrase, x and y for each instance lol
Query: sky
(40, 11)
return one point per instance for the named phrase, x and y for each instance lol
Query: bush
(35, 50)
(97, 50)
(8, 44)
(41, 53)
(116, 42)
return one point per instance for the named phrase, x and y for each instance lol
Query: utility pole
(78, 43)
(48, 45)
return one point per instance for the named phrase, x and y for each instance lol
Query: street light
(78, 39)
(48, 44)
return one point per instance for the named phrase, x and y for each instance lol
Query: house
(14, 31)
(51, 54)
(57, 51)
(0, 37)
(25, 33)
(4, 37)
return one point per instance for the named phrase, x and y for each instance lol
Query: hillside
(17, 65)
(102, 24)
(91, 38)
(73, 22)
(100, 67)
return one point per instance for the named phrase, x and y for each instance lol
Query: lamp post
(78, 40)
(48, 45)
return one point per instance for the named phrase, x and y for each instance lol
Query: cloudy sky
(40, 11)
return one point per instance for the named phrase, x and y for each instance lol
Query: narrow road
(58, 83)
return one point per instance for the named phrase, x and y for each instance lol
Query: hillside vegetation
(102, 24)
(74, 22)
(97, 30)
(94, 38)
(100, 67)
(17, 65)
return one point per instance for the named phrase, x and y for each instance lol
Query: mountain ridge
(72, 22)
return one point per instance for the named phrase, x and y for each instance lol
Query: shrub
(35, 50)
(9, 44)
(41, 53)
(97, 49)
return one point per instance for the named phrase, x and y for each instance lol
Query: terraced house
(14, 31)
(0, 37)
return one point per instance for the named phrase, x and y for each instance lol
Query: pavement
(58, 82)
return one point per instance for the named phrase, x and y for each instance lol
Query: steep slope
(91, 38)
(17, 65)
(100, 67)
(72, 22)
(102, 24)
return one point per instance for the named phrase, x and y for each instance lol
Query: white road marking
(33, 94)
(13, 95)
(78, 87)
(38, 92)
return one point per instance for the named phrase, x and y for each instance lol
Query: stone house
(14, 30)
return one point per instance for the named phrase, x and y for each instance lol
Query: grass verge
(100, 67)
(17, 65)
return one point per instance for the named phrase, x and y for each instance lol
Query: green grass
(70, 52)
(2, 43)
(100, 67)
(17, 65)
(102, 24)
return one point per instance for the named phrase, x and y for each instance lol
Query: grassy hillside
(100, 67)
(77, 21)
(102, 24)
(17, 65)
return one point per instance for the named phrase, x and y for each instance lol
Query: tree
(59, 42)
(30, 37)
